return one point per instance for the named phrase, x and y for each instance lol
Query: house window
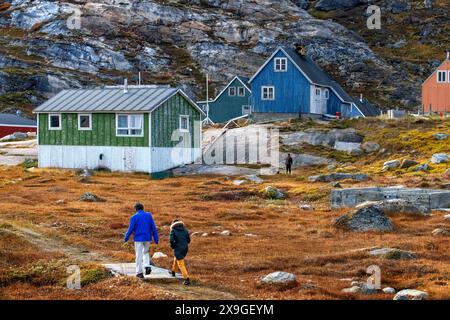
(84, 122)
(129, 125)
(318, 92)
(232, 91)
(241, 92)
(184, 123)
(268, 93)
(246, 110)
(280, 64)
(326, 93)
(442, 76)
(54, 122)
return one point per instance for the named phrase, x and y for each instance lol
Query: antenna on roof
(361, 97)
(125, 85)
(139, 79)
(207, 119)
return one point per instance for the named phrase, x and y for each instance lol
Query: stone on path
(159, 255)
(407, 163)
(370, 147)
(411, 294)
(129, 269)
(254, 178)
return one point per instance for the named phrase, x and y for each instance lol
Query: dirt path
(197, 291)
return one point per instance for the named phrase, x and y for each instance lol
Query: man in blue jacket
(144, 229)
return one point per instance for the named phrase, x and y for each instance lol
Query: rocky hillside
(50, 45)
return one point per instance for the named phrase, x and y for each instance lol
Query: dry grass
(288, 239)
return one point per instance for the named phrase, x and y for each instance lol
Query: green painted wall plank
(103, 132)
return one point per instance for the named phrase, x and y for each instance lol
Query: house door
(319, 101)
(129, 159)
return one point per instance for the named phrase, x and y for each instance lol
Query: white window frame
(318, 92)
(279, 63)
(441, 72)
(229, 91)
(249, 109)
(263, 88)
(128, 125)
(448, 77)
(187, 123)
(50, 122)
(239, 92)
(90, 121)
(326, 94)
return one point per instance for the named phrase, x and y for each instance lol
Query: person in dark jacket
(144, 229)
(289, 162)
(179, 242)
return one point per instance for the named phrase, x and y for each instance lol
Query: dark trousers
(288, 169)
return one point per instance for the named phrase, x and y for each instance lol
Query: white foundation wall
(167, 158)
(126, 159)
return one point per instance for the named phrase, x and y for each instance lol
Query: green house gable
(165, 123)
(230, 103)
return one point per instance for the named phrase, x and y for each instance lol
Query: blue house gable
(232, 102)
(290, 84)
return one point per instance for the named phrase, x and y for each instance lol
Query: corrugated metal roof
(14, 120)
(316, 74)
(109, 99)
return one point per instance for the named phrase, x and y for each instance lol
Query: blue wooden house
(232, 102)
(291, 85)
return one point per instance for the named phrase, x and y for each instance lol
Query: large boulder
(411, 294)
(397, 206)
(338, 177)
(274, 193)
(365, 219)
(440, 158)
(279, 278)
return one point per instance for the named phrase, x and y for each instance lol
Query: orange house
(436, 89)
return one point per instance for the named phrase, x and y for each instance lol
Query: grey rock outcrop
(365, 219)
(338, 177)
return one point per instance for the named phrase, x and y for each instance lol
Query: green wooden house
(232, 102)
(121, 128)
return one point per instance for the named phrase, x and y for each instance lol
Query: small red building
(436, 89)
(11, 123)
